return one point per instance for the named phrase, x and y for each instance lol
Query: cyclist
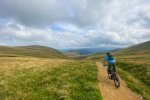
(111, 62)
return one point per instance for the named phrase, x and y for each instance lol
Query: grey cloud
(33, 12)
(80, 12)
(87, 23)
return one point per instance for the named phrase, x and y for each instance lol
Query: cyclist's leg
(114, 67)
(109, 67)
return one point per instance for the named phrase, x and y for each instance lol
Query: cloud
(74, 23)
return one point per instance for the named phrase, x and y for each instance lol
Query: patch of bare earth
(108, 89)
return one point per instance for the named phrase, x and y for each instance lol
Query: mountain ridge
(31, 50)
(141, 48)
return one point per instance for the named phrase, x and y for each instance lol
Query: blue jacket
(109, 61)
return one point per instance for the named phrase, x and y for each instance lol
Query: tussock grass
(140, 72)
(48, 79)
(136, 76)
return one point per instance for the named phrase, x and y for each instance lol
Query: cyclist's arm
(104, 62)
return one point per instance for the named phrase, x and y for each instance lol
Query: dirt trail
(109, 91)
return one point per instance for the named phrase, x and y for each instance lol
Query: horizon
(72, 24)
(107, 48)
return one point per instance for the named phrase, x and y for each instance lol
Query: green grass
(137, 70)
(136, 77)
(134, 64)
(45, 79)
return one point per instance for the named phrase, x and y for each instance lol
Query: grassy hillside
(143, 48)
(51, 79)
(137, 76)
(137, 51)
(45, 79)
(134, 67)
(72, 53)
(33, 51)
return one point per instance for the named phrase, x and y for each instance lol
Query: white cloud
(74, 23)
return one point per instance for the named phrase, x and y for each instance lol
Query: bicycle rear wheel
(109, 74)
(116, 81)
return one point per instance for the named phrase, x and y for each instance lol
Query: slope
(32, 51)
(142, 48)
(135, 61)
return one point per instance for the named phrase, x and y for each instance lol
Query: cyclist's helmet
(108, 53)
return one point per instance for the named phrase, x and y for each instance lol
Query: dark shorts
(112, 65)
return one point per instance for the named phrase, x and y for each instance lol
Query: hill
(142, 48)
(72, 53)
(32, 51)
(134, 67)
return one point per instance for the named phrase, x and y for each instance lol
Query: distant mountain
(142, 48)
(32, 51)
(88, 51)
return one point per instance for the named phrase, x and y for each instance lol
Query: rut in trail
(108, 89)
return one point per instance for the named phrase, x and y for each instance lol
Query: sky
(74, 23)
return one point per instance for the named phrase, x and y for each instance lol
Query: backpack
(110, 57)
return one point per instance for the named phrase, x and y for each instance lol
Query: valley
(38, 72)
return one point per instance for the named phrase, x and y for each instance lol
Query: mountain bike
(113, 75)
